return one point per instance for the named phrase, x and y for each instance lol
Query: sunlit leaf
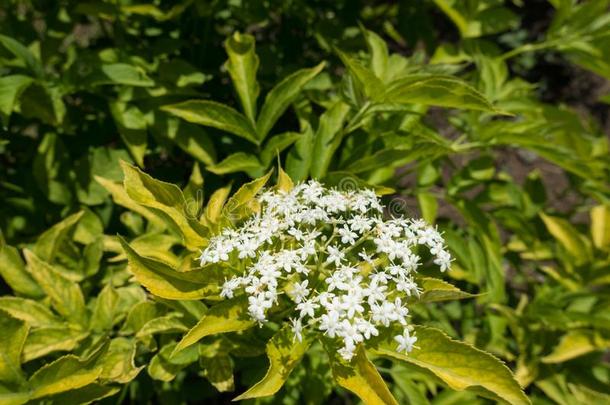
(284, 352)
(228, 316)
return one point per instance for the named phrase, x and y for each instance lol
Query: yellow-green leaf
(50, 339)
(218, 370)
(66, 296)
(51, 240)
(213, 210)
(13, 333)
(284, 353)
(284, 182)
(460, 365)
(439, 290)
(575, 243)
(120, 197)
(241, 203)
(361, 377)
(600, 226)
(166, 198)
(227, 316)
(575, 344)
(165, 282)
(30, 311)
(12, 270)
(118, 363)
(64, 374)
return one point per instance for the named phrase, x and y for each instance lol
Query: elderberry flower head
(346, 271)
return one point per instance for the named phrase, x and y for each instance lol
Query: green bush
(487, 118)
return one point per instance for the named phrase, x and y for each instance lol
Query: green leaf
(300, 156)
(166, 198)
(138, 316)
(438, 290)
(428, 205)
(12, 270)
(13, 333)
(64, 374)
(327, 139)
(370, 84)
(227, 316)
(600, 226)
(30, 311)
(132, 127)
(242, 66)
(236, 162)
(284, 353)
(437, 90)
(164, 365)
(361, 377)
(165, 282)
(48, 244)
(11, 88)
(121, 74)
(575, 243)
(91, 393)
(281, 96)
(215, 115)
(379, 53)
(191, 138)
(459, 365)
(66, 296)
(30, 61)
(105, 310)
(168, 324)
(49, 339)
(241, 203)
(218, 370)
(574, 344)
(276, 145)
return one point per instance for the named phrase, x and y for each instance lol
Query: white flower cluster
(346, 270)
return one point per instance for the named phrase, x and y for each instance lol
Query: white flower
(302, 243)
(329, 323)
(297, 329)
(307, 308)
(334, 255)
(300, 291)
(405, 341)
(347, 236)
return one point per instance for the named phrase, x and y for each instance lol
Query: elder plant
(304, 266)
